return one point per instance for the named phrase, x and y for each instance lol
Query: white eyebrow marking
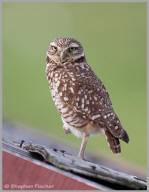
(53, 44)
(74, 45)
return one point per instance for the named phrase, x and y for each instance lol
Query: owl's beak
(63, 56)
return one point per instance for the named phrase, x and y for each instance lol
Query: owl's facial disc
(65, 50)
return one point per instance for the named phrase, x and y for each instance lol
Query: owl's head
(65, 49)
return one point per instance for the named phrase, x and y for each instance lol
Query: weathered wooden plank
(67, 162)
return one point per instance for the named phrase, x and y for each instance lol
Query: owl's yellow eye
(54, 48)
(72, 49)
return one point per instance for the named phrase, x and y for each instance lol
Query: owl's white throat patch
(78, 56)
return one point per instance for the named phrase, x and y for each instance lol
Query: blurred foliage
(114, 39)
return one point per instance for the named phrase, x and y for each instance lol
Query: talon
(82, 158)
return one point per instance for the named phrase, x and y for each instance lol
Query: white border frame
(67, 1)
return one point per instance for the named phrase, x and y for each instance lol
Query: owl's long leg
(83, 146)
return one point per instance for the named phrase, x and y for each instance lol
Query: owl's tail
(115, 128)
(113, 142)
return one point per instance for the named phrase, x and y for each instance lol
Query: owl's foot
(81, 157)
(67, 131)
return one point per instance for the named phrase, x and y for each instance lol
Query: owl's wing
(91, 100)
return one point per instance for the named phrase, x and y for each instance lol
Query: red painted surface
(19, 173)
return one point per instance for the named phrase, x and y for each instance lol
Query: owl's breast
(62, 84)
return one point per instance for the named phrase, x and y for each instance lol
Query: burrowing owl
(80, 96)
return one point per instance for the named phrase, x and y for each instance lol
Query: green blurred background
(114, 39)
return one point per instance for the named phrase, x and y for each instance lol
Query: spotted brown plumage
(80, 96)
